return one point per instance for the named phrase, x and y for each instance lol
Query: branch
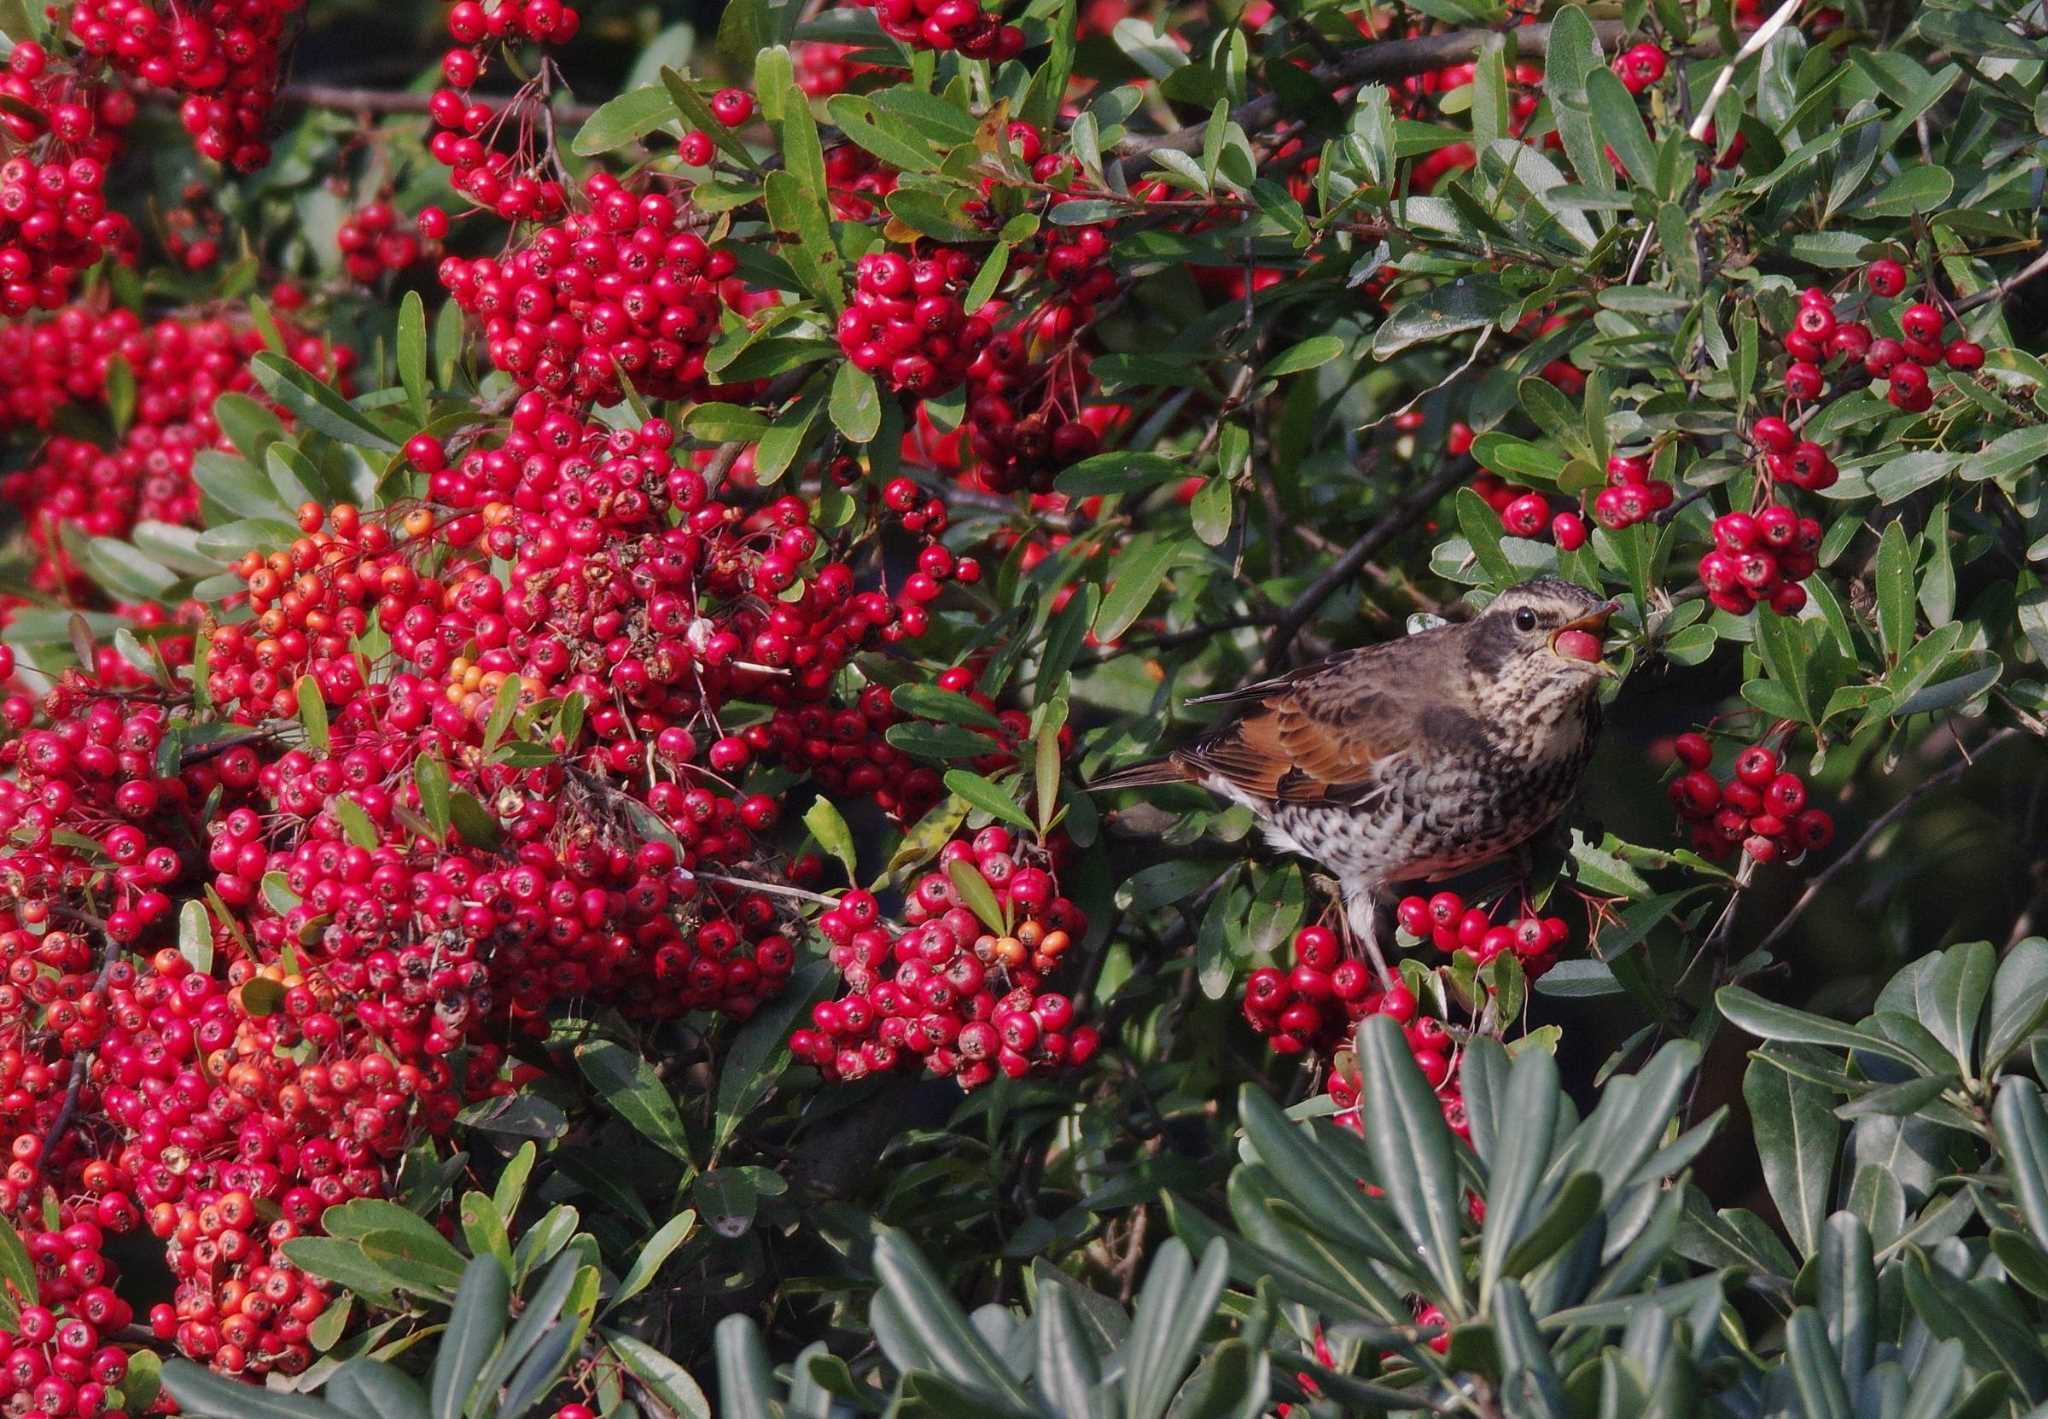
(1399, 518)
(2006, 287)
(1386, 59)
(81, 1063)
(353, 100)
(1885, 819)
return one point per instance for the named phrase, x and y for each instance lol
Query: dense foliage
(559, 611)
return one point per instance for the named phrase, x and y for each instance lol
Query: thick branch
(1399, 518)
(1885, 819)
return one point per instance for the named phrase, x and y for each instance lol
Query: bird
(1411, 759)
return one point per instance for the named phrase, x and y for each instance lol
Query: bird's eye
(1525, 620)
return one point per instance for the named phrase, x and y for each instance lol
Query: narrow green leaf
(1411, 1151)
(1136, 573)
(989, 797)
(315, 405)
(631, 1089)
(412, 353)
(647, 1262)
(1797, 1138)
(625, 118)
(202, 1393)
(855, 404)
(668, 1382)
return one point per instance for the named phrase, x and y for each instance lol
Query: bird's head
(1541, 641)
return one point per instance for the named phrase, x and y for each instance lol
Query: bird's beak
(1580, 640)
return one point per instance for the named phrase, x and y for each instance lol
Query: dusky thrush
(1417, 758)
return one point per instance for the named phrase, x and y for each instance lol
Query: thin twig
(1398, 519)
(1387, 59)
(1884, 820)
(344, 99)
(2006, 287)
(1765, 33)
(81, 1063)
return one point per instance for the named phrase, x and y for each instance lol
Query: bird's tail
(1145, 775)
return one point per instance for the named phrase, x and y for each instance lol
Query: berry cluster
(1759, 559)
(1903, 363)
(180, 367)
(1523, 511)
(906, 325)
(222, 56)
(376, 241)
(519, 185)
(823, 70)
(1631, 494)
(949, 993)
(60, 1359)
(1761, 808)
(1447, 922)
(622, 287)
(54, 220)
(960, 26)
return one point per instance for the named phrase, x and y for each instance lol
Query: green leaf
(1917, 189)
(430, 776)
(1173, 1310)
(746, 1383)
(988, 797)
(855, 117)
(2019, 1001)
(627, 118)
(977, 894)
(1209, 512)
(1571, 56)
(202, 1393)
(1120, 471)
(1446, 309)
(239, 486)
(1901, 477)
(1411, 1152)
(951, 1346)
(2022, 1126)
(1816, 1374)
(1521, 1154)
(755, 1056)
(855, 404)
(1617, 120)
(1312, 353)
(1895, 617)
(823, 820)
(647, 1262)
(315, 405)
(343, 1263)
(1770, 1021)
(120, 392)
(412, 352)
(668, 1382)
(2008, 454)
(631, 1089)
(930, 702)
(1137, 572)
(371, 1389)
(1797, 1138)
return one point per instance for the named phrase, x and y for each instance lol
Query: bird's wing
(1316, 735)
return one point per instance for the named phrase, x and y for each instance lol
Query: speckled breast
(1422, 820)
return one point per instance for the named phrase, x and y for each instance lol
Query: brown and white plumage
(1415, 758)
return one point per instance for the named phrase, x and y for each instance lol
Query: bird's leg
(1362, 913)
